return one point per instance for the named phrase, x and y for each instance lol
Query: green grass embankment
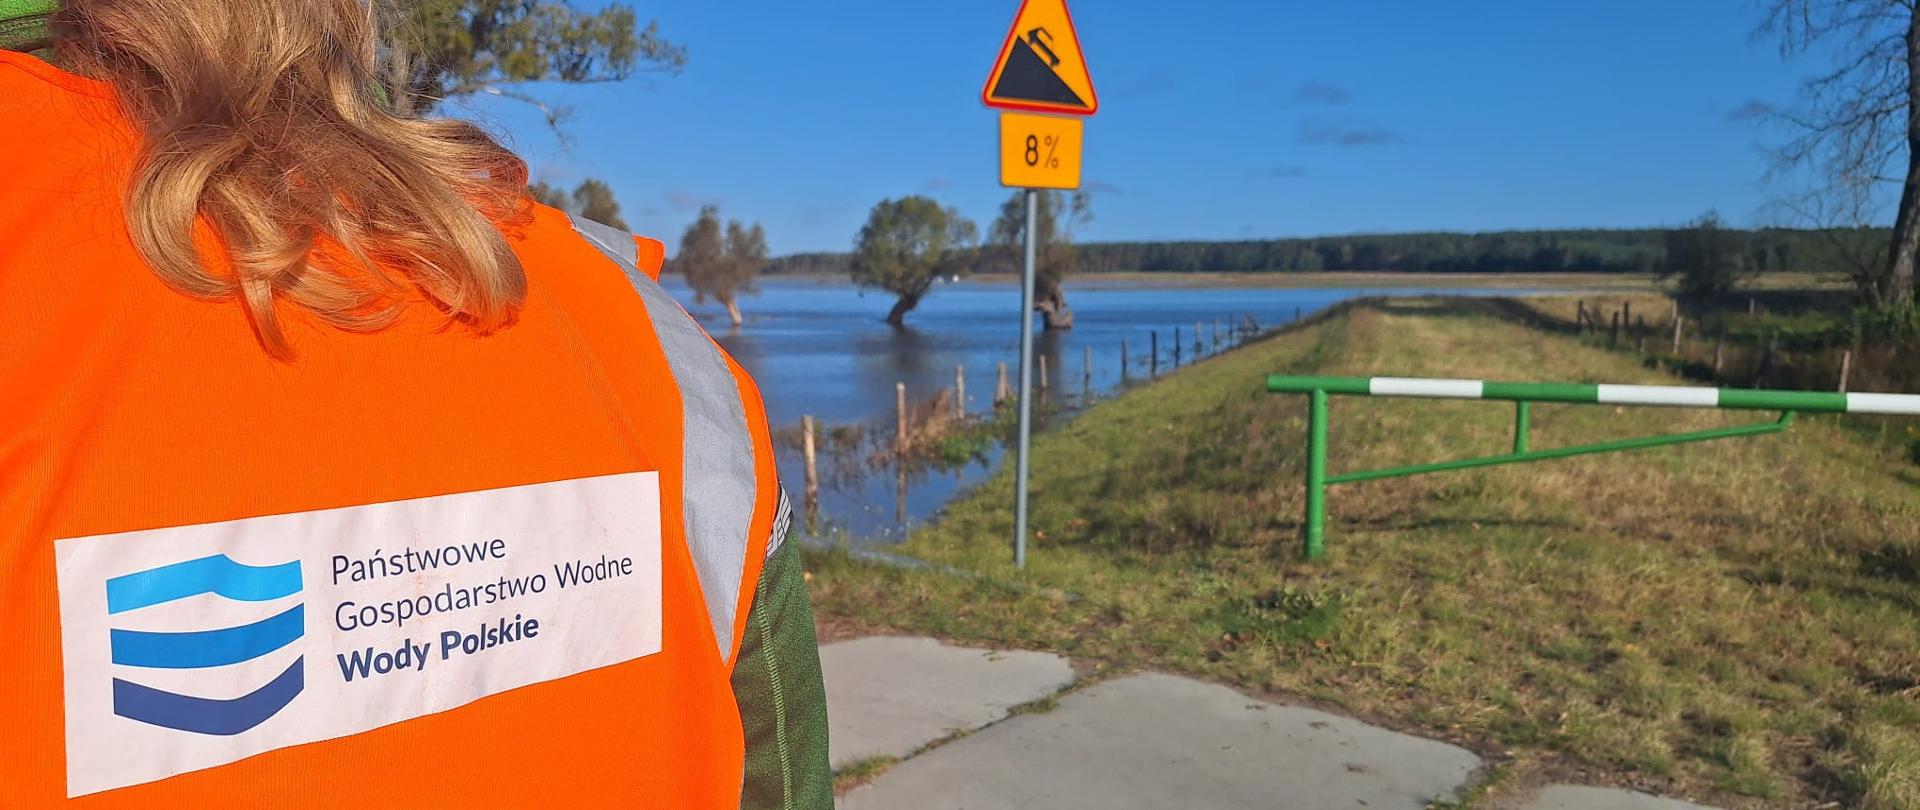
(1738, 620)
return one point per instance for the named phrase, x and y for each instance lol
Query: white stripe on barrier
(1884, 403)
(1413, 387)
(1660, 395)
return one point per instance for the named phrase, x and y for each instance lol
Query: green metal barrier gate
(1525, 394)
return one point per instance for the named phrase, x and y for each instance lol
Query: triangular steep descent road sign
(1041, 68)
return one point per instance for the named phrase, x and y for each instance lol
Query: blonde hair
(262, 120)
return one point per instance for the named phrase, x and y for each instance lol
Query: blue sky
(1219, 120)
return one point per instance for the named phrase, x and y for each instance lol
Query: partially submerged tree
(1055, 258)
(1709, 259)
(1857, 124)
(549, 195)
(721, 263)
(592, 199)
(442, 49)
(907, 245)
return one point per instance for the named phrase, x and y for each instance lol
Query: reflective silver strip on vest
(720, 485)
(782, 523)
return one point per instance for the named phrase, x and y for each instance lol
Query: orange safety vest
(147, 444)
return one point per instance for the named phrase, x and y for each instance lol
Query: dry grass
(861, 772)
(1734, 620)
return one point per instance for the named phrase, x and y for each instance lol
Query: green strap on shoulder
(22, 8)
(23, 24)
(783, 704)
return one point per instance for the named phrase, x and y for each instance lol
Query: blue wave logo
(201, 649)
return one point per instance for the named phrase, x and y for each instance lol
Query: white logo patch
(192, 647)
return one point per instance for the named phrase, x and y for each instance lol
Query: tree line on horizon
(910, 244)
(1638, 250)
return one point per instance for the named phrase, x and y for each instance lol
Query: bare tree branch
(1853, 130)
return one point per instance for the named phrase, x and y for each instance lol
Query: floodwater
(822, 349)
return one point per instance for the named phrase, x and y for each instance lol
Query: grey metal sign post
(1040, 70)
(1026, 385)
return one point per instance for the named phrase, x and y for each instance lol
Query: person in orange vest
(334, 472)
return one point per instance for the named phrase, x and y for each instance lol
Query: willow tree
(547, 194)
(442, 49)
(592, 199)
(721, 263)
(907, 245)
(1055, 258)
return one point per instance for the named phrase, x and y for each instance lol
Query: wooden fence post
(1677, 321)
(1626, 313)
(813, 474)
(1720, 351)
(1000, 389)
(1153, 355)
(1613, 333)
(1580, 316)
(1176, 347)
(1043, 377)
(960, 392)
(1086, 364)
(1123, 360)
(1767, 361)
(1846, 368)
(900, 408)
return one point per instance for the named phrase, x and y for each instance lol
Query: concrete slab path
(889, 696)
(1142, 741)
(1158, 741)
(1576, 797)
